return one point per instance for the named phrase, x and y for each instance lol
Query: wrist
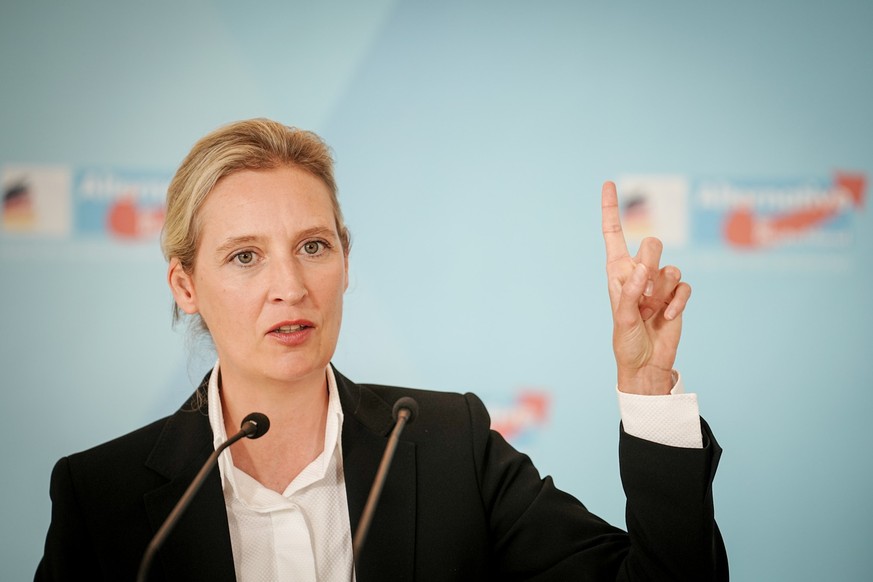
(645, 381)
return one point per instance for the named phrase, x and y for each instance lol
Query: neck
(297, 413)
(283, 402)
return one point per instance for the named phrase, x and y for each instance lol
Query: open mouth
(291, 328)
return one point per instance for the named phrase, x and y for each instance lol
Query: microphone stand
(253, 426)
(405, 410)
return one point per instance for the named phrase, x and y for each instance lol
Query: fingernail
(650, 288)
(646, 313)
(669, 314)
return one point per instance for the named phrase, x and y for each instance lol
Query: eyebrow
(235, 241)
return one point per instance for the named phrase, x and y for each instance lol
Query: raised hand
(647, 305)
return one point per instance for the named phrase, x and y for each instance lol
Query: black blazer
(459, 503)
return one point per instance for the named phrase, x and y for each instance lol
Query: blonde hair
(253, 144)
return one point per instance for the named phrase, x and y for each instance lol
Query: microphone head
(256, 425)
(406, 403)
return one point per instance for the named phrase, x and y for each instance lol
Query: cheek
(223, 304)
(330, 290)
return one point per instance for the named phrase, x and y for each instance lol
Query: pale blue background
(471, 141)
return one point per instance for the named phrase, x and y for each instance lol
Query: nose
(287, 284)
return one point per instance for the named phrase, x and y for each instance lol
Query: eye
(244, 257)
(314, 247)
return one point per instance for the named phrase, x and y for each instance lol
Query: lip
(293, 338)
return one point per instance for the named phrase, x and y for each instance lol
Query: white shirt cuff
(670, 419)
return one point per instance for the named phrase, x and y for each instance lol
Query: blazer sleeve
(542, 533)
(69, 552)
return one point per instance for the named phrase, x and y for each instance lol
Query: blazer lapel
(389, 549)
(199, 546)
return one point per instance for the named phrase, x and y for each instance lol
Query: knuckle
(672, 272)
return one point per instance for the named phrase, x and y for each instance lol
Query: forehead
(247, 197)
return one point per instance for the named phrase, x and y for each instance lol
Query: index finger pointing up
(613, 236)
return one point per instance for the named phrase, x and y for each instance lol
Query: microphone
(405, 411)
(253, 426)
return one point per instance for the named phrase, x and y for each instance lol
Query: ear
(182, 286)
(346, 267)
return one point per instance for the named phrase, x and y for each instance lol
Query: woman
(258, 251)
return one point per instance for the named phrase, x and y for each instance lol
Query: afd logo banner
(66, 203)
(119, 204)
(753, 216)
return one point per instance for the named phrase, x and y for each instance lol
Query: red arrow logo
(743, 228)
